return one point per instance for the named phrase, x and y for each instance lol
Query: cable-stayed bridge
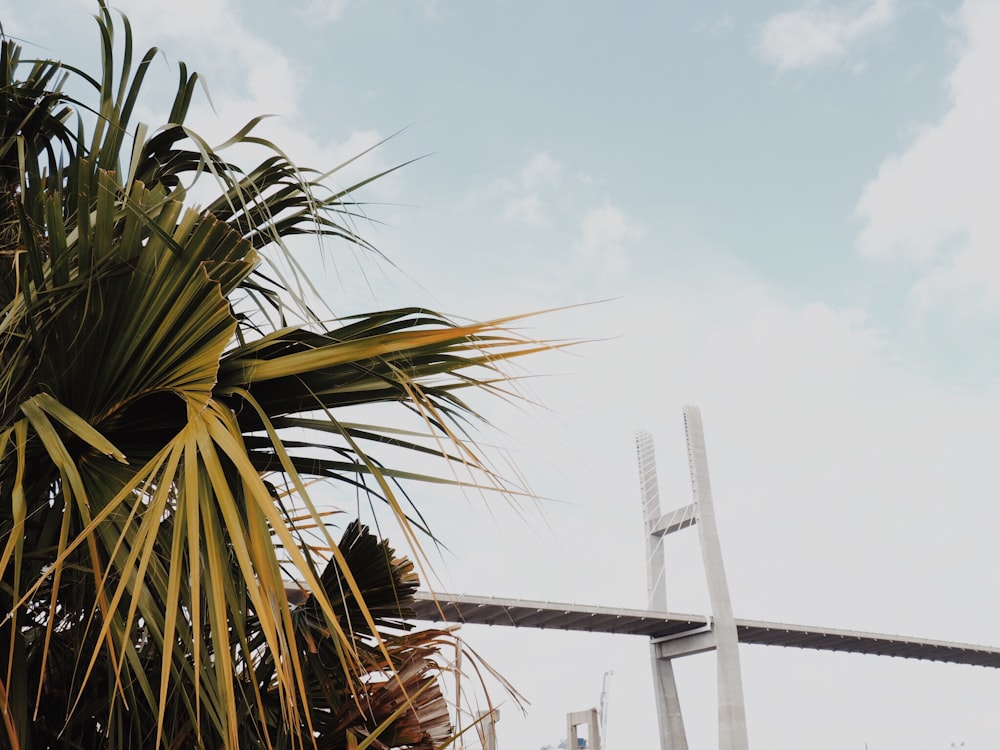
(666, 628)
(673, 635)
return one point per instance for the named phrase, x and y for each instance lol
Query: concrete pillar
(575, 719)
(668, 706)
(732, 712)
(486, 723)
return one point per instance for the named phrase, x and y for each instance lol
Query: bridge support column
(668, 704)
(486, 726)
(577, 718)
(723, 636)
(732, 713)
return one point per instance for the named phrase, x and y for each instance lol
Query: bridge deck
(483, 610)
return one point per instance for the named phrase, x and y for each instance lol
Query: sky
(780, 211)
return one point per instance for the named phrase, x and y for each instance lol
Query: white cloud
(324, 11)
(245, 73)
(542, 173)
(543, 197)
(246, 76)
(604, 234)
(819, 32)
(935, 205)
(526, 210)
(11, 21)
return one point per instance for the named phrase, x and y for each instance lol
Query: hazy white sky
(792, 208)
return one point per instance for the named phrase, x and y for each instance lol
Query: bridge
(672, 635)
(666, 628)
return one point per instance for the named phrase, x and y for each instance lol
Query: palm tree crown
(160, 421)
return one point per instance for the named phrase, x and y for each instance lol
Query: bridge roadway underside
(480, 610)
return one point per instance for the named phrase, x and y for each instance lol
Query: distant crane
(603, 710)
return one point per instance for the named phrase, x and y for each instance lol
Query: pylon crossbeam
(696, 643)
(676, 520)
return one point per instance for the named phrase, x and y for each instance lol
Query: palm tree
(161, 420)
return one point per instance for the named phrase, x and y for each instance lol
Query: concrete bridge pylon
(721, 633)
